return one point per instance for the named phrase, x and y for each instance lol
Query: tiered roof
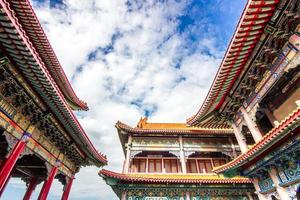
(173, 178)
(145, 128)
(245, 40)
(28, 48)
(269, 141)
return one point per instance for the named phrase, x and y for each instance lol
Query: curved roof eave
(31, 25)
(45, 84)
(169, 178)
(250, 27)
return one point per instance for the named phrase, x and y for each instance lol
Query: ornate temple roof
(29, 50)
(249, 30)
(144, 128)
(276, 135)
(31, 25)
(173, 178)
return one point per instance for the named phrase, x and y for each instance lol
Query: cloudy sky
(129, 59)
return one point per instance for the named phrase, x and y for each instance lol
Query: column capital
(26, 136)
(57, 163)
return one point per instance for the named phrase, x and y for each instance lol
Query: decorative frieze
(19, 106)
(289, 173)
(181, 194)
(266, 185)
(155, 143)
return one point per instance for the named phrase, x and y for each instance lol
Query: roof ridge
(188, 130)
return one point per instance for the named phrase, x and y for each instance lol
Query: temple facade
(243, 143)
(40, 137)
(175, 162)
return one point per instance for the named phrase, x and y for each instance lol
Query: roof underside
(28, 51)
(173, 178)
(30, 24)
(250, 28)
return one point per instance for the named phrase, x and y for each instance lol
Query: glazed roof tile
(174, 178)
(144, 127)
(31, 25)
(254, 19)
(22, 47)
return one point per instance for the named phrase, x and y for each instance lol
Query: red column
(1, 192)
(30, 189)
(47, 184)
(67, 189)
(10, 162)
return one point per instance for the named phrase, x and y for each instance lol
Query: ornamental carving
(175, 153)
(188, 153)
(133, 153)
(26, 111)
(263, 64)
(146, 142)
(11, 141)
(266, 185)
(290, 173)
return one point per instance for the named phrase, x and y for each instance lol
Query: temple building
(41, 139)
(243, 143)
(173, 161)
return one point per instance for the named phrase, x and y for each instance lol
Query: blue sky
(129, 59)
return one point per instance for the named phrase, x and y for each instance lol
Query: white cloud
(137, 71)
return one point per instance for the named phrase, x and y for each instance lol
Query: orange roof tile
(250, 28)
(174, 178)
(144, 127)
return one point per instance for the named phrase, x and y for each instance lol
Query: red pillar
(10, 162)
(47, 184)
(67, 189)
(1, 192)
(31, 187)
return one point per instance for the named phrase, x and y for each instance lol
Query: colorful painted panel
(219, 198)
(155, 198)
(290, 173)
(159, 142)
(266, 185)
(206, 143)
(156, 194)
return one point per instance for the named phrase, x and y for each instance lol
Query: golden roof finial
(142, 122)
